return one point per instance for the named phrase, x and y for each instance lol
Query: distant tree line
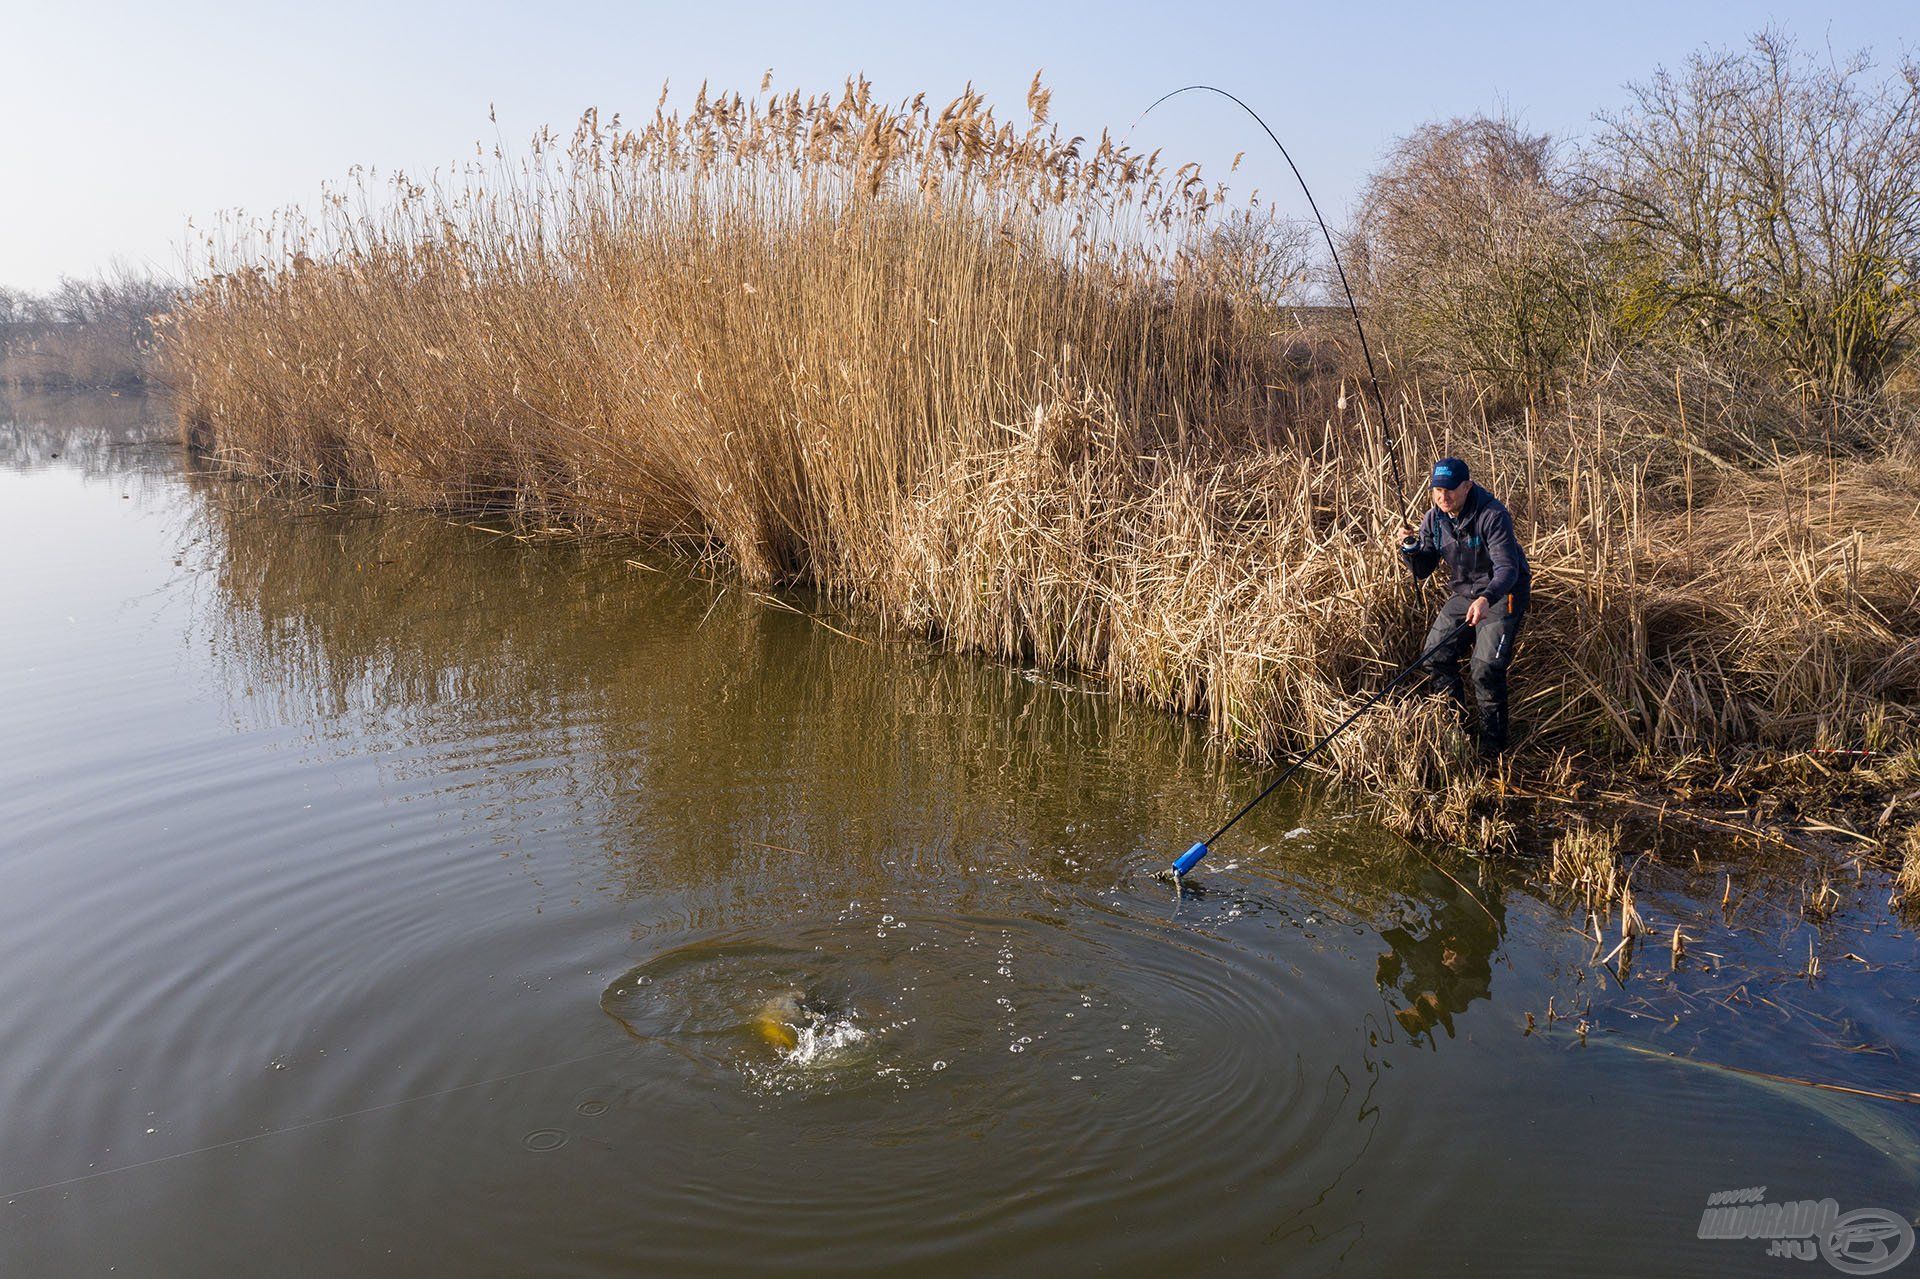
(82, 333)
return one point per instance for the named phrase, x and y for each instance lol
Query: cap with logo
(1449, 472)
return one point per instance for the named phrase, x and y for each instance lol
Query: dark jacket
(1482, 554)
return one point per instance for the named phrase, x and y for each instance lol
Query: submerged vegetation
(1039, 397)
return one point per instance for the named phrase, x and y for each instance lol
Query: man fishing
(1471, 531)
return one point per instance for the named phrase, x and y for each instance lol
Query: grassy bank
(1024, 394)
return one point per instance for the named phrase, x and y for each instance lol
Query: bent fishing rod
(1366, 352)
(1191, 858)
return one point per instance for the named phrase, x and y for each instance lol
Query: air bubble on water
(1026, 1039)
(886, 919)
(939, 1065)
(1016, 1048)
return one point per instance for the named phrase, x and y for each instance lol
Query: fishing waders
(1491, 644)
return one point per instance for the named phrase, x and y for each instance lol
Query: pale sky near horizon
(120, 121)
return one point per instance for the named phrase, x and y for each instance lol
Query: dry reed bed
(991, 385)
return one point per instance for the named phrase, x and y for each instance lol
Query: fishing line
(314, 1123)
(1366, 352)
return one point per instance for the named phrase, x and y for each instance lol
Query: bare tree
(123, 300)
(1768, 200)
(1262, 258)
(1468, 252)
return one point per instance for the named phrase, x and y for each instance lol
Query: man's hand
(1407, 534)
(1478, 610)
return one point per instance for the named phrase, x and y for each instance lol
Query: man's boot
(1493, 732)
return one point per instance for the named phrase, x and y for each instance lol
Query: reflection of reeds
(989, 384)
(728, 732)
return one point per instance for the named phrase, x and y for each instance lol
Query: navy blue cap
(1448, 473)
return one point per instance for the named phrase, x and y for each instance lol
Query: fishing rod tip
(1189, 859)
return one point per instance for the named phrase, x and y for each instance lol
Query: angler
(1472, 533)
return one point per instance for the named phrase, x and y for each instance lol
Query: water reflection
(730, 729)
(100, 434)
(1442, 962)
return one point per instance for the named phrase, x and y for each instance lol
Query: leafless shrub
(1259, 259)
(1766, 205)
(1469, 252)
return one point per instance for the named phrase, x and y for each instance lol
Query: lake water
(384, 896)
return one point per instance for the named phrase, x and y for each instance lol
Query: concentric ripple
(1080, 1065)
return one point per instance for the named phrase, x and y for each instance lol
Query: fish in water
(805, 1030)
(779, 1020)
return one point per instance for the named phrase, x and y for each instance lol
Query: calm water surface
(381, 896)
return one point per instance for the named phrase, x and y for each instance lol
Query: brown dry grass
(1906, 884)
(984, 382)
(1585, 862)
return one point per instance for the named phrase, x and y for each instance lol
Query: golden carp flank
(778, 1020)
(776, 1032)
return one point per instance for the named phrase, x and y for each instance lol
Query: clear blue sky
(119, 121)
